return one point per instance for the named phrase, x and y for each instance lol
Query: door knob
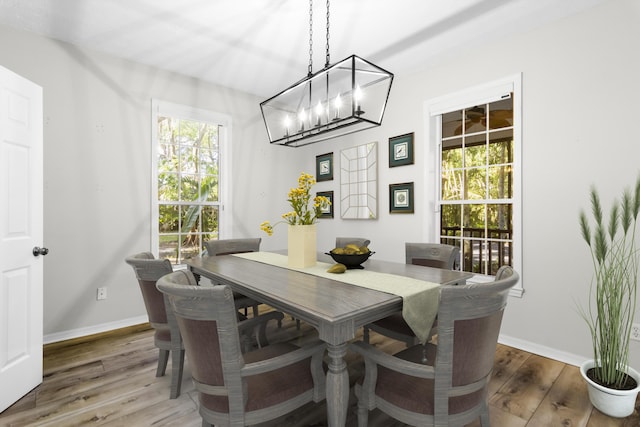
(40, 251)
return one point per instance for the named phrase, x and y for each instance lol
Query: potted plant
(613, 385)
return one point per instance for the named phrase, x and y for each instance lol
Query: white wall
(97, 151)
(580, 125)
(580, 83)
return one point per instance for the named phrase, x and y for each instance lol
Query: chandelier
(348, 96)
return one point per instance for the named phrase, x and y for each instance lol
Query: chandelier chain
(328, 58)
(310, 37)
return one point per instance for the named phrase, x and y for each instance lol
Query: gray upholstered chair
(341, 242)
(239, 389)
(166, 334)
(232, 246)
(426, 254)
(450, 387)
(236, 246)
(436, 255)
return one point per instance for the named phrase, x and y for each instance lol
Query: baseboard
(96, 329)
(551, 353)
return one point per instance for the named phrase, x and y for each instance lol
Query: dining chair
(341, 242)
(237, 389)
(436, 255)
(166, 336)
(236, 246)
(444, 384)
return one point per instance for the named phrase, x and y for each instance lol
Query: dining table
(334, 308)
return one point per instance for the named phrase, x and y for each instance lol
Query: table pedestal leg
(337, 385)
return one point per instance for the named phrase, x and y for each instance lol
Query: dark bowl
(350, 261)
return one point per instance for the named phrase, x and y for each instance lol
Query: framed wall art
(328, 212)
(401, 150)
(324, 167)
(401, 198)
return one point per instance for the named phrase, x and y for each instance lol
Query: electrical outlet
(101, 294)
(635, 331)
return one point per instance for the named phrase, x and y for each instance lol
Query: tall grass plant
(614, 287)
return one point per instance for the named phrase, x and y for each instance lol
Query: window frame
(186, 112)
(433, 110)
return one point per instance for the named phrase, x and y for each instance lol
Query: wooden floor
(109, 380)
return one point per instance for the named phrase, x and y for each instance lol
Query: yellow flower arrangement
(302, 213)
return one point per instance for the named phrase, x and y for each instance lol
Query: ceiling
(262, 46)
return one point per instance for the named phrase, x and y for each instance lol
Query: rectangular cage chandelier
(346, 97)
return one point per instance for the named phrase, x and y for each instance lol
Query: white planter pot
(615, 403)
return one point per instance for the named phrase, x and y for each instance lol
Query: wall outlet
(635, 332)
(101, 294)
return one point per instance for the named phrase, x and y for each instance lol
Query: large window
(477, 197)
(187, 179)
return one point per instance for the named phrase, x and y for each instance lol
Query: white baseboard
(551, 353)
(96, 329)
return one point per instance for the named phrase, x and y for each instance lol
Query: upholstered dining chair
(436, 255)
(166, 337)
(450, 386)
(236, 246)
(237, 389)
(341, 242)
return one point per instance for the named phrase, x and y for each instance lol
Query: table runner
(419, 298)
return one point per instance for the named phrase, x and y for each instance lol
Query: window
(188, 147)
(478, 168)
(476, 195)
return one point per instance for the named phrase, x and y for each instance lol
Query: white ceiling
(262, 46)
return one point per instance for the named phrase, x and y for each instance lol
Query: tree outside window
(188, 165)
(476, 200)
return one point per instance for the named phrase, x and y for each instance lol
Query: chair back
(207, 320)
(148, 270)
(436, 255)
(341, 242)
(232, 246)
(469, 320)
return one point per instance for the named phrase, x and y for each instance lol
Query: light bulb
(319, 111)
(337, 103)
(287, 123)
(358, 93)
(357, 97)
(302, 115)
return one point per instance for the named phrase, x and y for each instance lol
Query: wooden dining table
(334, 308)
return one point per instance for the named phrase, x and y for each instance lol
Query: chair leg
(365, 334)
(484, 416)
(363, 414)
(163, 358)
(177, 366)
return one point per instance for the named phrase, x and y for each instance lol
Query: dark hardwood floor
(109, 380)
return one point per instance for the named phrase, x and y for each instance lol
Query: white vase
(301, 248)
(612, 402)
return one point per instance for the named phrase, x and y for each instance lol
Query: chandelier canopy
(346, 97)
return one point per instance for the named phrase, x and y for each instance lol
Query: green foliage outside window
(188, 186)
(477, 185)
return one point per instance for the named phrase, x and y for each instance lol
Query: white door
(20, 233)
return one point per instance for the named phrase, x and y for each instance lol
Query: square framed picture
(328, 212)
(401, 150)
(324, 167)
(401, 198)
